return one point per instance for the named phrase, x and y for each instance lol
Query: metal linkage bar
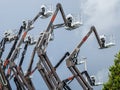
(2, 46)
(45, 76)
(92, 83)
(18, 84)
(19, 76)
(58, 26)
(27, 42)
(4, 83)
(32, 58)
(58, 7)
(61, 60)
(40, 65)
(3, 80)
(65, 83)
(8, 37)
(50, 71)
(23, 55)
(66, 87)
(29, 70)
(13, 47)
(19, 68)
(78, 75)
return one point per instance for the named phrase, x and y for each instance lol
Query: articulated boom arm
(48, 72)
(42, 44)
(77, 74)
(2, 46)
(58, 7)
(32, 58)
(27, 26)
(4, 83)
(44, 65)
(71, 63)
(47, 34)
(92, 29)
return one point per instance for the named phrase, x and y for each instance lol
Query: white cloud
(101, 13)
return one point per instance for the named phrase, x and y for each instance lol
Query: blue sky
(103, 14)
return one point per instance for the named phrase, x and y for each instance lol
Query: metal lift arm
(88, 78)
(46, 35)
(5, 39)
(58, 7)
(28, 80)
(74, 70)
(4, 83)
(65, 82)
(18, 85)
(14, 52)
(13, 47)
(61, 60)
(50, 71)
(53, 78)
(4, 79)
(29, 70)
(71, 64)
(19, 76)
(23, 54)
(66, 87)
(27, 42)
(2, 46)
(32, 58)
(49, 74)
(26, 28)
(92, 29)
(41, 69)
(58, 25)
(45, 76)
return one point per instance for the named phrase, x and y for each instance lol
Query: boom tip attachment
(45, 12)
(72, 23)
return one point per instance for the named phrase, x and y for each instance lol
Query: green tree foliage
(114, 76)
